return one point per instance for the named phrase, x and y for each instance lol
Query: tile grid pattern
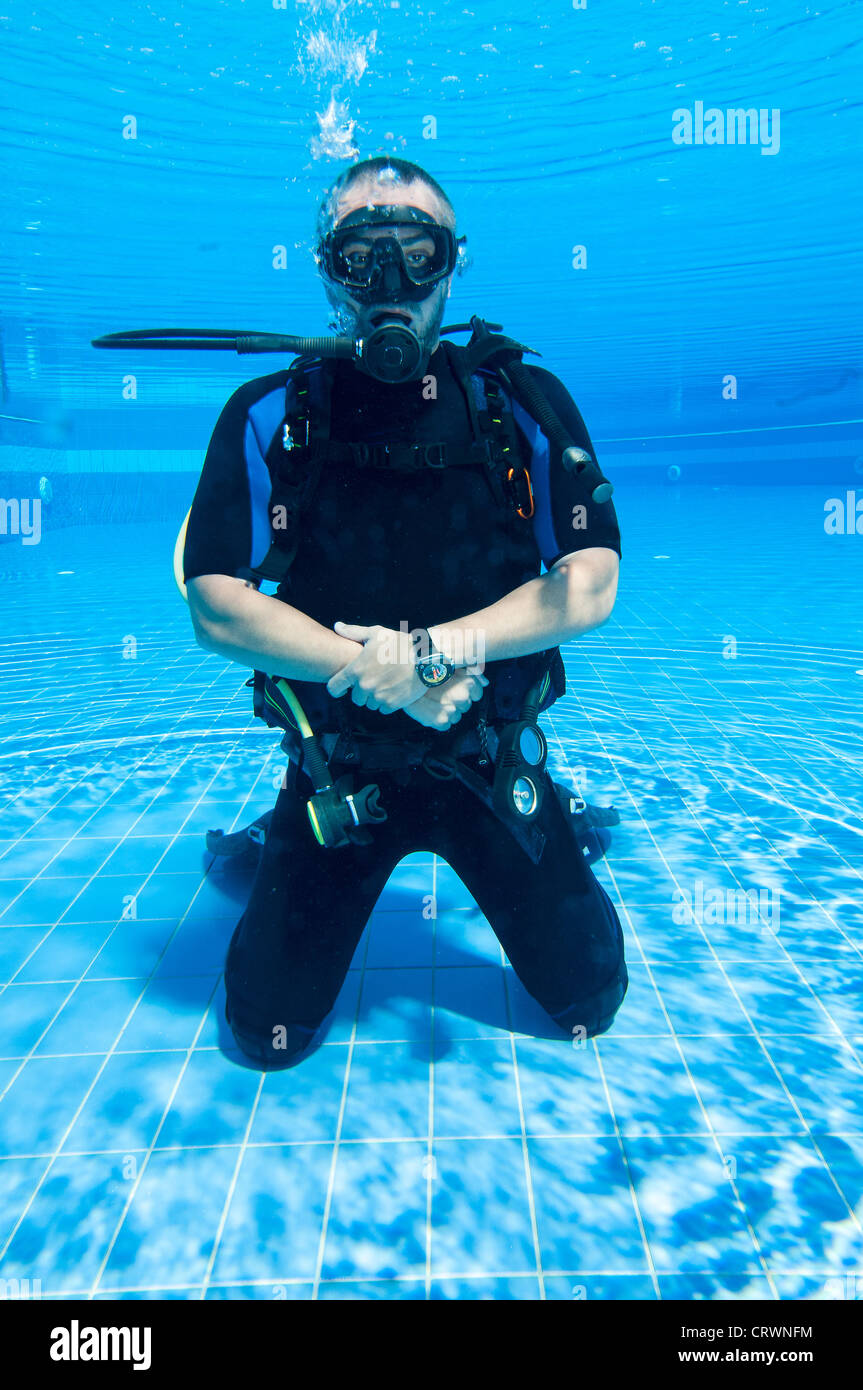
(443, 1142)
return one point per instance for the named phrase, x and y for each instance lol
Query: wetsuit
(391, 548)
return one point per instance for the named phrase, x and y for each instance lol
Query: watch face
(434, 673)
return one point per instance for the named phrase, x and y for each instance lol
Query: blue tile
(185, 854)
(562, 1090)
(164, 816)
(713, 764)
(599, 1288)
(92, 1018)
(136, 854)
(388, 1092)
(26, 1012)
(699, 998)
(739, 1088)
(170, 1229)
(480, 1209)
(488, 1290)
(168, 895)
(16, 944)
(106, 899)
(691, 1216)
(526, 1015)
(377, 1220)
(66, 952)
(45, 900)
(843, 1157)
(714, 1287)
(641, 1014)
(660, 938)
(395, 1004)
(198, 947)
(23, 859)
(399, 939)
(83, 854)
(470, 1003)
(127, 1103)
(651, 1091)
(801, 1220)
(190, 1293)
(270, 1293)
(584, 1213)
(475, 1089)
(66, 1232)
(463, 937)
(450, 892)
(204, 899)
(273, 1227)
(115, 819)
(839, 992)
(133, 948)
(774, 996)
(303, 1102)
(169, 1013)
(43, 1100)
(373, 1290)
(213, 1104)
(19, 1179)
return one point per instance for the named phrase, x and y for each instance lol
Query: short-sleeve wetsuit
(411, 549)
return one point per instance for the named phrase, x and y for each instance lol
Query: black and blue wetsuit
(416, 548)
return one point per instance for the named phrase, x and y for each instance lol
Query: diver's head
(387, 251)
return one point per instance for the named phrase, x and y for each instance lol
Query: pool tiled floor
(444, 1142)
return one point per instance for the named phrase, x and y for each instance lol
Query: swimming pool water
(444, 1142)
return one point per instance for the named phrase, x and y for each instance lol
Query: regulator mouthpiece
(392, 353)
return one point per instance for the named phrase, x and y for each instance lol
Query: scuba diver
(432, 546)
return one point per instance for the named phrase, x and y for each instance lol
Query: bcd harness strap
(305, 447)
(349, 750)
(296, 461)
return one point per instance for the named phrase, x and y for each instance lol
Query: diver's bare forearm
(545, 612)
(261, 632)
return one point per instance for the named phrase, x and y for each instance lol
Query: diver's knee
(286, 1044)
(589, 1018)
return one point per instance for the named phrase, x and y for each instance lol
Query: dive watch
(434, 668)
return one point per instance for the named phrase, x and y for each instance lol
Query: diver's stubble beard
(351, 319)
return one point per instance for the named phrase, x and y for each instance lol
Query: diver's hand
(383, 675)
(444, 706)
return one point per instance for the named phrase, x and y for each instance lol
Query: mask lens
(358, 256)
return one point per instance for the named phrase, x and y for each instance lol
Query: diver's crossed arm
(232, 618)
(576, 595)
(235, 620)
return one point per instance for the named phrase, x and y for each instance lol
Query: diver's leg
(554, 919)
(292, 947)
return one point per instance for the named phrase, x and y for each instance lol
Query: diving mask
(393, 253)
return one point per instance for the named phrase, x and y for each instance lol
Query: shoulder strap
(297, 456)
(295, 460)
(495, 443)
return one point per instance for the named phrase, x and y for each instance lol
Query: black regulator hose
(226, 339)
(391, 353)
